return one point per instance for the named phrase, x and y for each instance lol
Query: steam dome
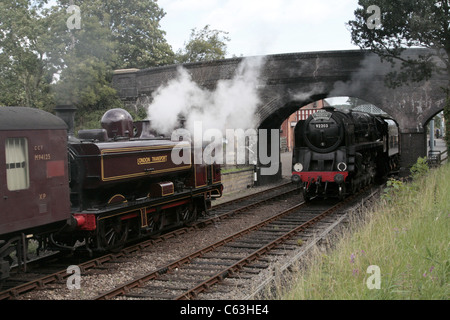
(117, 123)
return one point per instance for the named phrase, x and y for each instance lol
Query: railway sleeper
(213, 263)
(239, 276)
(275, 229)
(220, 257)
(178, 278)
(258, 265)
(165, 287)
(196, 273)
(276, 252)
(155, 296)
(257, 242)
(250, 270)
(287, 247)
(295, 220)
(203, 267)
(242, 245)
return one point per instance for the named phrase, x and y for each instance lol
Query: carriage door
(15, 178)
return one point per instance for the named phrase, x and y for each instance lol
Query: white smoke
(231, 105)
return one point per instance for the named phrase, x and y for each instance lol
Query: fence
(436, 157)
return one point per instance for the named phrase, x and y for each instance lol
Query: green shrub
(420, 168)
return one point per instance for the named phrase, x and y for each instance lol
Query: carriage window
(17, 174)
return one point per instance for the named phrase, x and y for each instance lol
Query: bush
(420, 168)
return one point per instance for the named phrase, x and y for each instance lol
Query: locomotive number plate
(322, 125)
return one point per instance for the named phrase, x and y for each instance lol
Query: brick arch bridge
(289, 81)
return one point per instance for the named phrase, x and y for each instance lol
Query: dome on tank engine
(118, 123)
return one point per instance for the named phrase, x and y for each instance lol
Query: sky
(260, 27)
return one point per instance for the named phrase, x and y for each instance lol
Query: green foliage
(447, 119)
(43, 63)
(393, 186)
(407, 239)
(132, 28)
(26, 68)
(420, 168)
(204, 45)
(406, 23)
(114, 34)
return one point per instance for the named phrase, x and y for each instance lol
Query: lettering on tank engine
(133, 162)
(150, 160)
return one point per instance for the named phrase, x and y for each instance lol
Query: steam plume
(231, 105)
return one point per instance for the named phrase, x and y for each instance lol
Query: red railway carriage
(34, 186)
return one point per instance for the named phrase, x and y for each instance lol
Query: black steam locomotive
(337, 152)
(94, 192)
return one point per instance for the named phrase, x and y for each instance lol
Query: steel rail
(256, 194)
(139, 282)
(220, 276)
(205, 285)
(40, 283)
(245, 207)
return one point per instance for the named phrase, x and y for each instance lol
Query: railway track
(196, 274)
(188, 277)
(23, 283)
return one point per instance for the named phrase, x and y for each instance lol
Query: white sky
(260, 27)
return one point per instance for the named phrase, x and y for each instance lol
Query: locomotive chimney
(67, 113)
(144, 129)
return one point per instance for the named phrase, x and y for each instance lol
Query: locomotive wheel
(187, 213)
(113, 234)
(154, 223)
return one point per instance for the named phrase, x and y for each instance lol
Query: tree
(43, 62)
(86, 61)
(403, 24)
(135, 28)
(204, 45)
(26, 69)
(113, 34)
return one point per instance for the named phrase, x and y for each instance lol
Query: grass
(406, 236)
